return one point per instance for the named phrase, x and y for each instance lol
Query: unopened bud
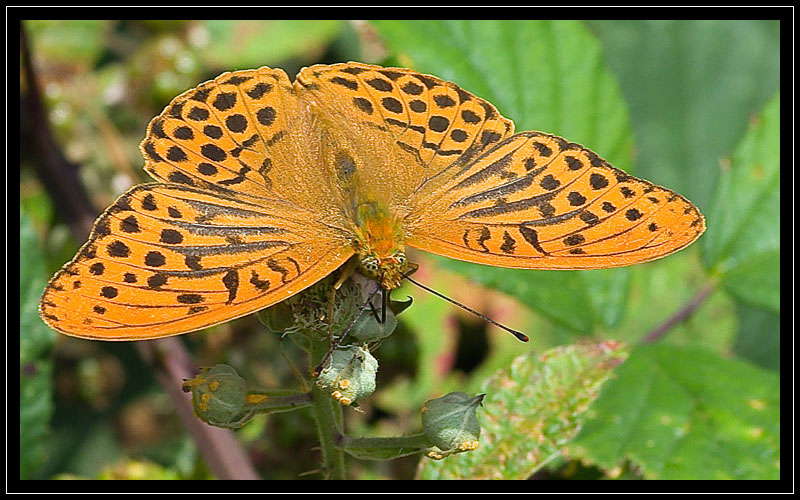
(218, 394)
(450, 423)
(349, 374)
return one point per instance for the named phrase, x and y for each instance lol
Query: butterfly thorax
(379, 244)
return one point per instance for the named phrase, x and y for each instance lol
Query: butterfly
(265, 186)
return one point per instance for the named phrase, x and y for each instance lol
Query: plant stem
(264, 402)
(328, 416)
(413, 441)
(386, 448)
(680, 315)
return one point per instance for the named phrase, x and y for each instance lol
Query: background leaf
(673, 413)
(250, 44)
(758, 338)
(744, 243)
(74, 41)
(561, 87)
(691, 87)
(531, 409)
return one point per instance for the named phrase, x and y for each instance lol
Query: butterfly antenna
(521, 336)
(336, 343)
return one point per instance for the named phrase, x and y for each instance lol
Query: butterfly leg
(374, 312)
(347, 272)
(315, 373)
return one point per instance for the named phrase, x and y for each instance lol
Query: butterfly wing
(244, 135)
(417, 128)
(471, 190)
(536, 201)
(167, 259)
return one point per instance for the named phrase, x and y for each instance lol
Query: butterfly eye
(400, 258)
(370, 264)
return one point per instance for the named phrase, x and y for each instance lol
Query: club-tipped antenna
(521, 336)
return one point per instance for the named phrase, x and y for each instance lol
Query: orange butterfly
(267, 186)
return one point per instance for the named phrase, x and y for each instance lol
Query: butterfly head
(387, 270)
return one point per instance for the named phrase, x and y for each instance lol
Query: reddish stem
(680, 315)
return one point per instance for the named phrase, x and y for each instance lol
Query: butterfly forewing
(244, 134)
(537, 201)
(167, 259)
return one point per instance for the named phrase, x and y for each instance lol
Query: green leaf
(691, 87)
(531, 410)
(686, 413)
(251, 44)
(35, 386)
(759, 336)
(561, 87)
(743, 241)
(571, 306)
(545, 75)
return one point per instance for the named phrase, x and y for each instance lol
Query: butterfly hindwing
(420, 124)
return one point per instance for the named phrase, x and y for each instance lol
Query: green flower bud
(349, 374)
(368, 329)
(218, 395)
(450, 423)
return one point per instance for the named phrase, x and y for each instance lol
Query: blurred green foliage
(35, 360)
(693, 106)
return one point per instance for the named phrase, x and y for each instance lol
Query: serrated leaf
(35, 386)
(686, 413)
(531, 410)
(691, 87)
(548, 76)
